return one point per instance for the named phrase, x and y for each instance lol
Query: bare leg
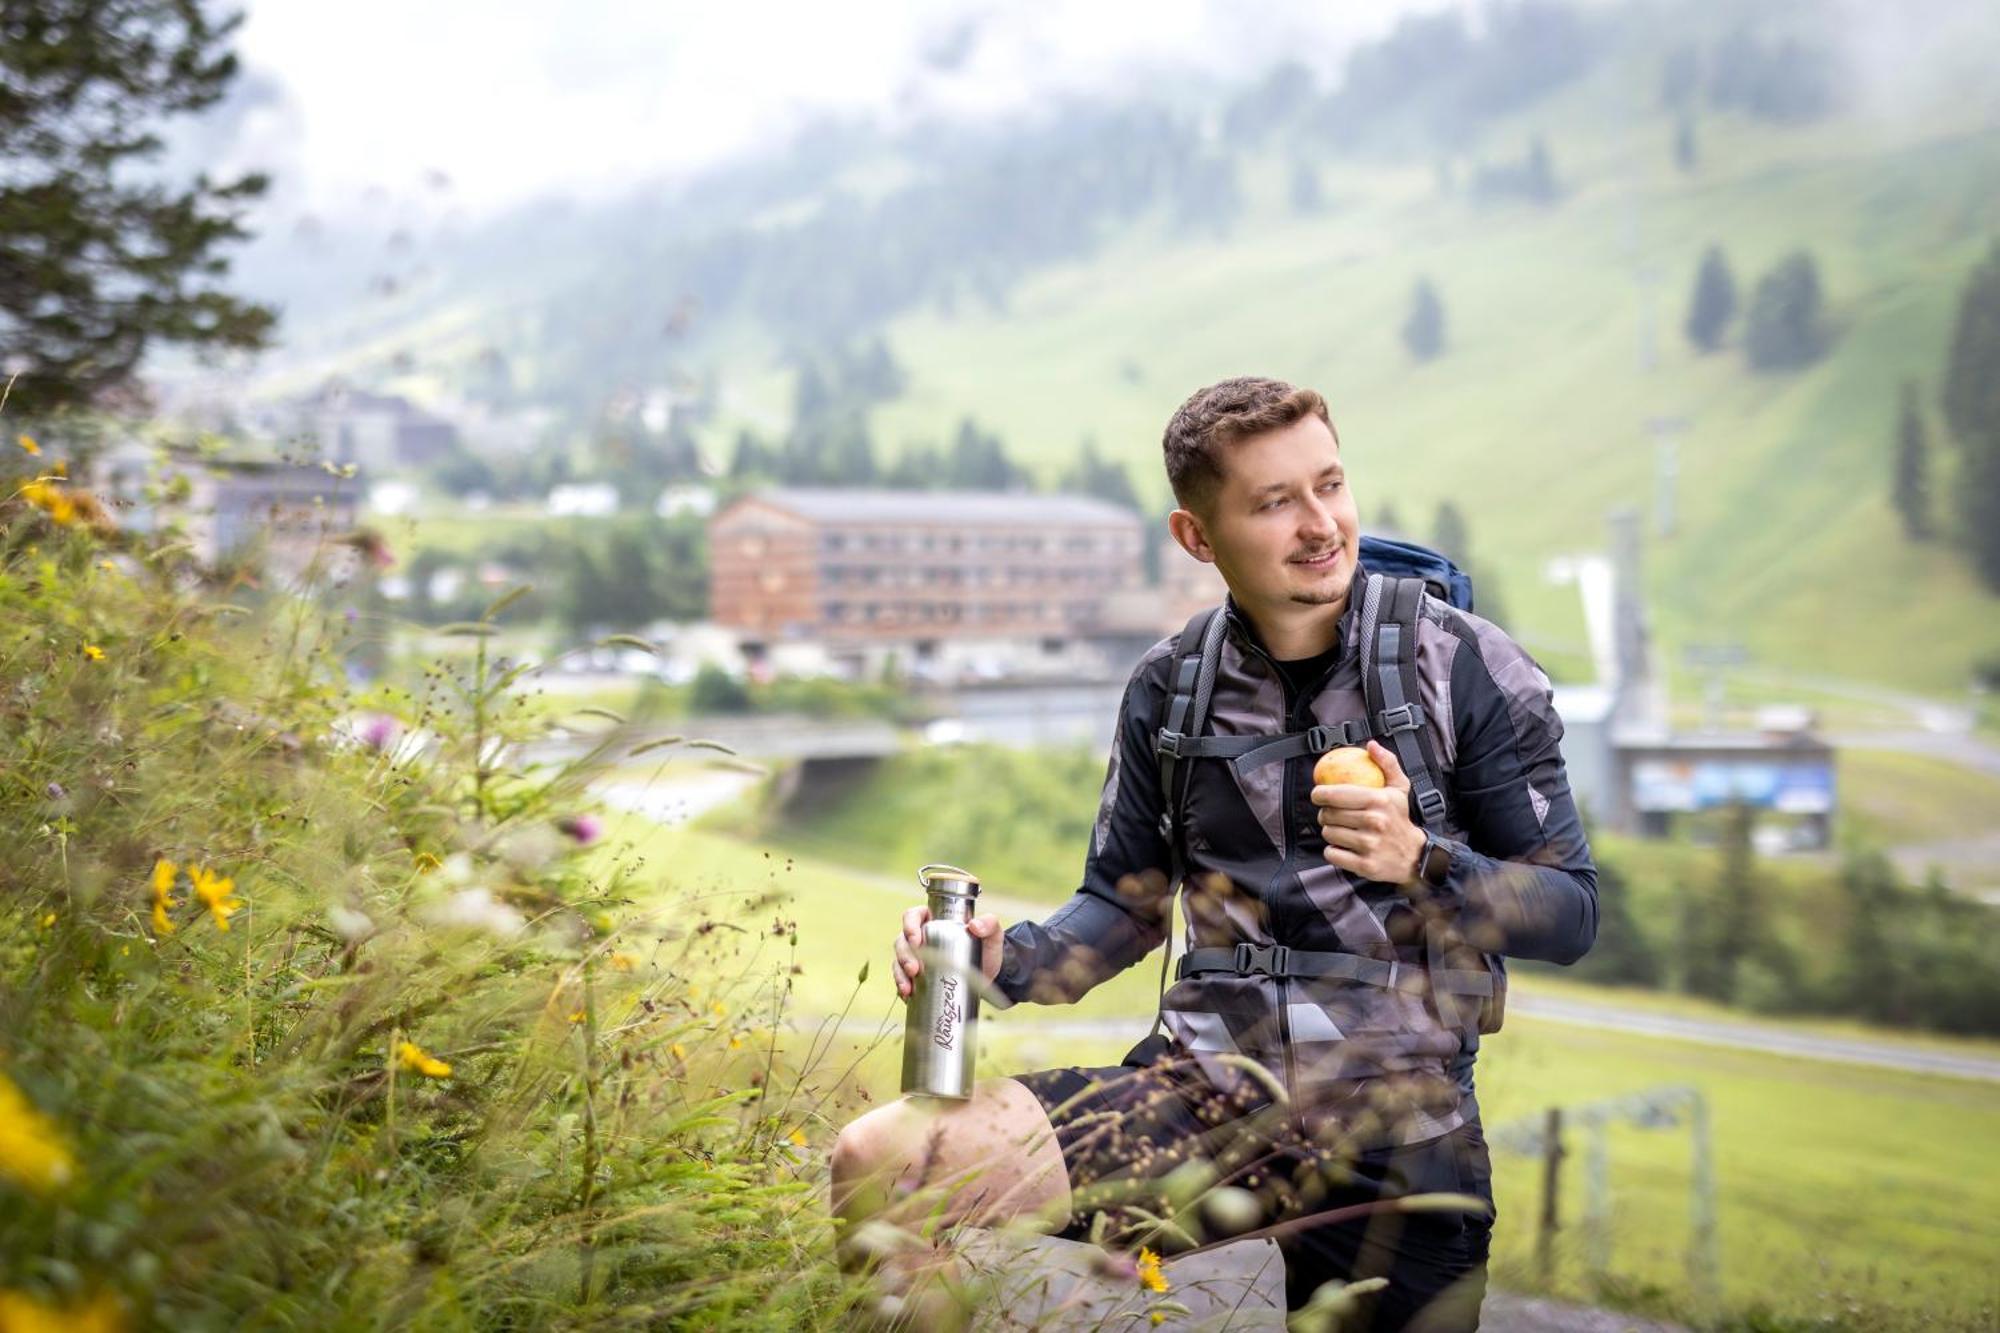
(920, 1159)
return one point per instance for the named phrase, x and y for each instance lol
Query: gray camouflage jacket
(1522, 882)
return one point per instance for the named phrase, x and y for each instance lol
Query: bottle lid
(948, 879)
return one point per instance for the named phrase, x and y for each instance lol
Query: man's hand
(1368, 830)
(985, 929)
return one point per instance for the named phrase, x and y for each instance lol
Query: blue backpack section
(1380, 555)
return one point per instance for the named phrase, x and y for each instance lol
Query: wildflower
(426, 862)
(1159, 1317)
(576, 1015)
(622, 962)
(163, 887)
(679, 1051)
(477, 909)
(55, 791)
(719, 1008)
(797, 1138)
(32, 1152)
(217, 893)
(735, 1042)
(585, 829)
(379, 732)
(51, 500)
(93, 652)
(1150, 1276)
(48, 919)
(28, 446)
(414, 1058)
(22, 1313)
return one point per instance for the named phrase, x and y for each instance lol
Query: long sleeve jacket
(1522, 882)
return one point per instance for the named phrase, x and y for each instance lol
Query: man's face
(1282, 527)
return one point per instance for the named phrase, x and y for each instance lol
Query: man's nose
(1316, 520)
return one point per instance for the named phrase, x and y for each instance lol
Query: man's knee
(916, 1139)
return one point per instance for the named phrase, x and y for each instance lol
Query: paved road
(1767, 1038)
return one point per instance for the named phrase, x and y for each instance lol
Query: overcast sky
(516, 98)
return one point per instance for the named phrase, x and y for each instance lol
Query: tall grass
(315, 1022)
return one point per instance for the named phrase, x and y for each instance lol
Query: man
(1307, 1094)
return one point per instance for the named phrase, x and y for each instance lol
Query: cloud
(511, 99)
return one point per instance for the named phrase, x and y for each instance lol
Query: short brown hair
(1220, 415)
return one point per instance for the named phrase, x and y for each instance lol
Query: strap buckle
(1319, 738)
(1430, 804)
(1273, 960)
(1403, 717)
(1169, 742)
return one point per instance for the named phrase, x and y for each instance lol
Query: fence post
(1545, 1230)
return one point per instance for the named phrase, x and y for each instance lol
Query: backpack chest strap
(1276, 960)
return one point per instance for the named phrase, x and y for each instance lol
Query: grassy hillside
(1845, 1198)
(1533, 421)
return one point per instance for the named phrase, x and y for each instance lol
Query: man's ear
(1187, 530)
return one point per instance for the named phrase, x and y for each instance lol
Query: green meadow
(1850, 1195)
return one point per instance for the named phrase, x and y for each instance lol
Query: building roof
(994, 508)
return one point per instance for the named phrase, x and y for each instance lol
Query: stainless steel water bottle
(940, 1033)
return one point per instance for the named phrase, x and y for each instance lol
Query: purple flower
(352, 615)
(55, 791)
(379, 732)
(586, 829)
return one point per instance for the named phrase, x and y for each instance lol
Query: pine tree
(1971, 391)
(1736, 923)
(1912, 488)
(1621, 955)
(1423, 330)
(1449, 536)
(1687, 153)
(103, 258)
(1972, 410)
(1785, 328)
(1714, 302)
(1096, 476)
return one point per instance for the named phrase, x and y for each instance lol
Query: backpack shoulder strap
(1389, 611)
(1197, 655)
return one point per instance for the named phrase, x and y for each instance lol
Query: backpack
(1398, 574)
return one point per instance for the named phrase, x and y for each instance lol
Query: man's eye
(1331, 486)
(1271, 504)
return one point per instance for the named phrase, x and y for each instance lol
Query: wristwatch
(1434, 861)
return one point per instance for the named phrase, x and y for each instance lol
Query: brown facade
(913, 565)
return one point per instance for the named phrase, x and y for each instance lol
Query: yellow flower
(576, 1016)
(163, 887)
(735, 1042)
(797, 1138)
(413, 1057)
(717, 1006)
(51, 500)
(22, 1313)
(1159, 1317)
(680, 1051)
(217, 893)
(427, 862)
(29, 446)
(48, 919)
(93, 652)
(621, 962)
(32, 1153)
(1150, 1276)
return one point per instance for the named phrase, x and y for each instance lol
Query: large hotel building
(856, 569)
